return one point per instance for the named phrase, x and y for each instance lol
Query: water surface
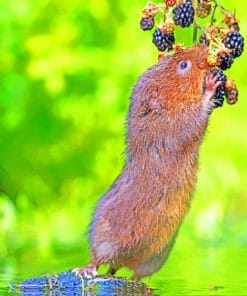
(220, 270)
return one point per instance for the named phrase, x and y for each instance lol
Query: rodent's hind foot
(87, 272)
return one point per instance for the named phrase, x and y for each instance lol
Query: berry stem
(159, 7)
(222, 8)
(214, 43)
(213, 14)
(151, 9)
(195, 32)
(195, 29)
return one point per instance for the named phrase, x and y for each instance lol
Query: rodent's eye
(183, 67)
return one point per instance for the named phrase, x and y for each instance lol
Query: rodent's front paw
(212, 89)
(212, 82)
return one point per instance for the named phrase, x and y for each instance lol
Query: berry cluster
(224, 42)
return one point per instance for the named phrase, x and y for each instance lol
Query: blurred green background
(66, 73)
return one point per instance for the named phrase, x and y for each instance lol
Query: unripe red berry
(170, 3)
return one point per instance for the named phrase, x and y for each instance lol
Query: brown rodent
(137, 219)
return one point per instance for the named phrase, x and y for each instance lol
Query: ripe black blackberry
(219, 96)
(221, 76)
(204, 40)
(162, 40)
(184, 14)
(147, 23)
(225, 61)
(235, 41)
(234, 27)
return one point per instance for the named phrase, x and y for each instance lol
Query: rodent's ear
(184, 67)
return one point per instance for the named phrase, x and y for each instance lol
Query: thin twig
(195, 25)
(195, 32)
(222, 8)
(213, 14)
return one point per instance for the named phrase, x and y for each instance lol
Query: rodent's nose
(203, 64)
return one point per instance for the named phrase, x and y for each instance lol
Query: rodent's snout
(202, 63)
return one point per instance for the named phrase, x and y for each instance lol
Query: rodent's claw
(87, 272)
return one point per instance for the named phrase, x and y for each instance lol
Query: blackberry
(184, 14)
(235, 41)
(234, 27)
(203, 9)
(221, 76)
(231, 91)
(204, 40)
(225, 61)
(219, 98)
(232, 96)
(168, 27)
(220, 93)
(147, 23)
(162, 40)
(212, 60)
(170, 2)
